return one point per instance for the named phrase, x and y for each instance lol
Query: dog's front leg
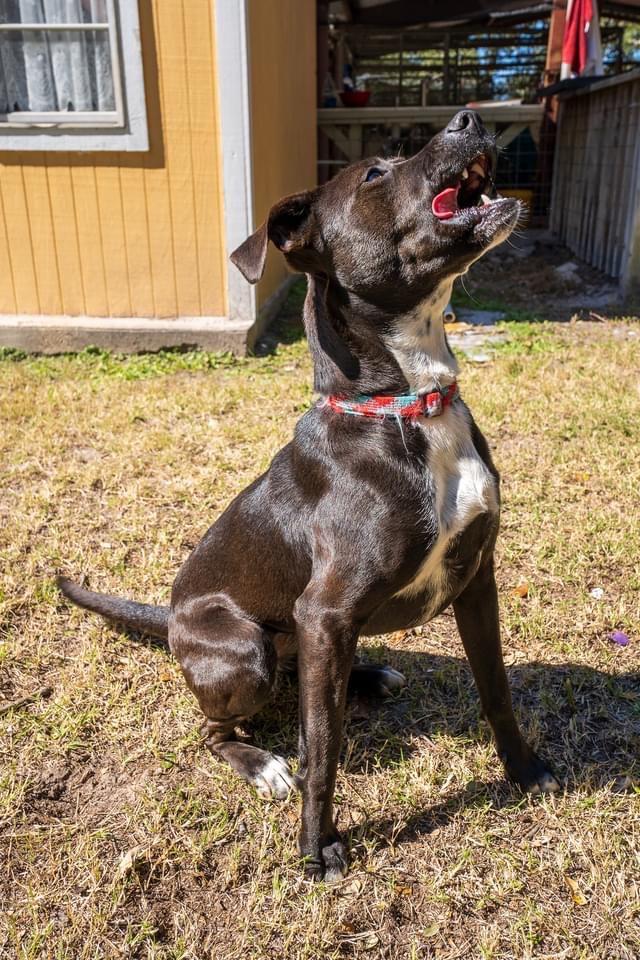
(476, 611)
(327, 637)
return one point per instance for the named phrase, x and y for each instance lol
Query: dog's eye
(374, 173)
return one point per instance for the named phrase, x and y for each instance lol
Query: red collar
(409, 406)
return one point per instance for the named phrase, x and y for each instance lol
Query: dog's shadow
(585, 722)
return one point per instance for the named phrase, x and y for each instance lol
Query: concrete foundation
(62, 334)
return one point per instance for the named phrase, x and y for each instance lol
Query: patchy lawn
(121, 836)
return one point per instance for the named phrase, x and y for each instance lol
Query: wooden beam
(554, 43)
(341, 141)
(511, 132)
(494, 112)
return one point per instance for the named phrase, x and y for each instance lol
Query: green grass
(121, 836)
(95, 363)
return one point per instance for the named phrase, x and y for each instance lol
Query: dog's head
(383, 235)
(393, 227)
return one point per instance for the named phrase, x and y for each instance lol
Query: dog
(382, 511)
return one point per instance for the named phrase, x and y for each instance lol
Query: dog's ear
(289, 227)
(335, 366)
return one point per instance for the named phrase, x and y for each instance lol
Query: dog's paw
(331, 866)
(532, 774)
(274, 779)
(373, 681)
(390, 681)
(544, 783)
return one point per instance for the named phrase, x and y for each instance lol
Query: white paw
(391, 680)
(275, 779)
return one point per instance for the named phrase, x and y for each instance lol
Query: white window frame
(124, 128)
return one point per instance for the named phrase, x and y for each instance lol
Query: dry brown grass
(121, 836)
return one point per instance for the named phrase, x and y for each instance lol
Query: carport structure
(423, 60)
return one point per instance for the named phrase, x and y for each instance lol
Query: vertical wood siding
(127, 234)
(595, 207)
(282, 52)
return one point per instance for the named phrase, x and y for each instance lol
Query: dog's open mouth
(470, 191)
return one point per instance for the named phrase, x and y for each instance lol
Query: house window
(71, 75)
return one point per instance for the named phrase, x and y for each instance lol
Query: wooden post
(547, 142)
(554, 47)
(322, 41)
(322, 66)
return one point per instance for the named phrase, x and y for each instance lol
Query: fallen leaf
(431, 930)
(370, 941)
(127, 861)
(367, 940)
(541, 840)
(352, 887)
(577, 895)
(86, 454)
(403, 891)
(522, 590)
(457, 326)
(581, 477)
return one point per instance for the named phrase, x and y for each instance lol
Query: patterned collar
(410, 406)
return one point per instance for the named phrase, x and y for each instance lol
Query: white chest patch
(462, 489)
(419, 344)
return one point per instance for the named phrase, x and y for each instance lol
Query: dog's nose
(466, 120)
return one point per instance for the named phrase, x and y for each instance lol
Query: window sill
(65, 137)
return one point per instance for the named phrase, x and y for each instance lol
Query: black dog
(362, 524)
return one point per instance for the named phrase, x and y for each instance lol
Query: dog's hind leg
(229, 663)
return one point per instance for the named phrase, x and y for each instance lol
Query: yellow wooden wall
(127, 234)
(282, 51)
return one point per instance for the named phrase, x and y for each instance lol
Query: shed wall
(127, 234)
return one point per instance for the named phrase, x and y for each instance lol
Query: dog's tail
(143, 617)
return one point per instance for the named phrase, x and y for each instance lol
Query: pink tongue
(445, 204)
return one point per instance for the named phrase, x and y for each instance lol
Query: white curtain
(68, 70)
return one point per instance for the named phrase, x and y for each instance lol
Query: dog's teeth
(485, 199)
(465, 174)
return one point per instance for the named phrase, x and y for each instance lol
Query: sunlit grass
(120, 834)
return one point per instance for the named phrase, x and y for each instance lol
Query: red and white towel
(582, 47)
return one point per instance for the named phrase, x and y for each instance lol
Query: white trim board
(235, 139)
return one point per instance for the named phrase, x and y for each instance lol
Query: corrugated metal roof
(408, 13)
